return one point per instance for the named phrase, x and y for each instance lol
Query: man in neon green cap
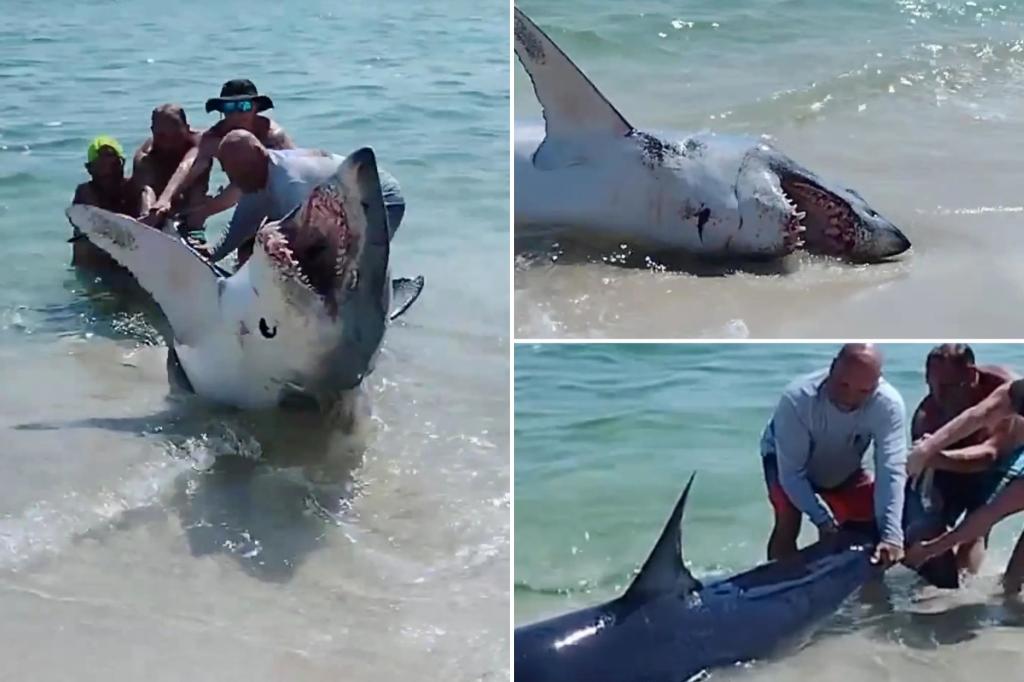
(107, 188)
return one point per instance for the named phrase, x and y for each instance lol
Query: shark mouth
(314, 246)
(819, 219)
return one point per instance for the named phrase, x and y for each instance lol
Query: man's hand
(918, 554)
(202, 248)
(919, 457)
(827, 529)
(158, 213)
(887, 554)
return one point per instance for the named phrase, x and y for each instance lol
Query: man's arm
(793, 451)
(195, 162)
(245, 222)
(890, 444)
(1009, 500)
(987, 413)
(970, 459)
(142, 176)
(228, 197)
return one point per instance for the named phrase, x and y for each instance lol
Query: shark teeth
(288, 268)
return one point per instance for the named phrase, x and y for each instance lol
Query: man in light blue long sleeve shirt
(815, 445)
(273, 182)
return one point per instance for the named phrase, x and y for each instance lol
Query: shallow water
(606, 436)
(911, 103)
(147, 535)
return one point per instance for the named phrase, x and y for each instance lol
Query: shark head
(778, 196)
(321, 274)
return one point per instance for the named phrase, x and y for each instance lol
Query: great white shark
(669, 626)
(705, 194)
(306, 314)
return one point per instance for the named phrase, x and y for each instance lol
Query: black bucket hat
(239, 90)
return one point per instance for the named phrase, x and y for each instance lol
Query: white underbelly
(217, 372)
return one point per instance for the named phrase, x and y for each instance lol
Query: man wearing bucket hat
(242, 105)
(107, 188)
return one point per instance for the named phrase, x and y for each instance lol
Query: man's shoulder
(275, 136)
(208, 140)
(144, 150)
(888, 398)
(84, 194)
(805, 386)
(996, 375)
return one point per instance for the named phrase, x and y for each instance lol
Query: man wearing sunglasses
(241, 105)
(961, 486)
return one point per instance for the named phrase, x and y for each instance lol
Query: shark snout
(883, 240)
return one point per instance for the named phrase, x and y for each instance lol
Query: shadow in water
(569, 248)
(268, 520)
(270, 499)
(110, 305)
(263, 488)
(957, 624)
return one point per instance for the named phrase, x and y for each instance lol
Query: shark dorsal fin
(571, 103)
(664, 570)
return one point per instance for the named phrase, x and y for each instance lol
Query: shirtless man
(158, 158)
(241, 104)
(815, 444)
(955, 384)
(1002, 414)
(109, 189)
(273, 182)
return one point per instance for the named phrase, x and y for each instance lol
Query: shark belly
(216, 372)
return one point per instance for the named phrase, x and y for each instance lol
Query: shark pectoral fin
(404, 292)
(182, 283)
(664, 570)
(572, 105)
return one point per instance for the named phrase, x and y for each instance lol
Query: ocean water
(915, 103)
(606, 436)
(145, 537)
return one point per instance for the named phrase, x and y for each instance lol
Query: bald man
(273, 182)
(815, 444)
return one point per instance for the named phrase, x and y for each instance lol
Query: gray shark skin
(715, 196)
(668, 626)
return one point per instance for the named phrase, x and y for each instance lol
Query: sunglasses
(232, 107)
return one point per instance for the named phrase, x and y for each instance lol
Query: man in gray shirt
(815, 445)
(273, 182)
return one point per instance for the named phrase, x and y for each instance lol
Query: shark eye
(265, 329)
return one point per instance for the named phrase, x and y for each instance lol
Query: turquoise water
(114, 531)
(739, 63)
(606, 436)
(913, 103)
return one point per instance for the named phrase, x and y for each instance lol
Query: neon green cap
(99, 143)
